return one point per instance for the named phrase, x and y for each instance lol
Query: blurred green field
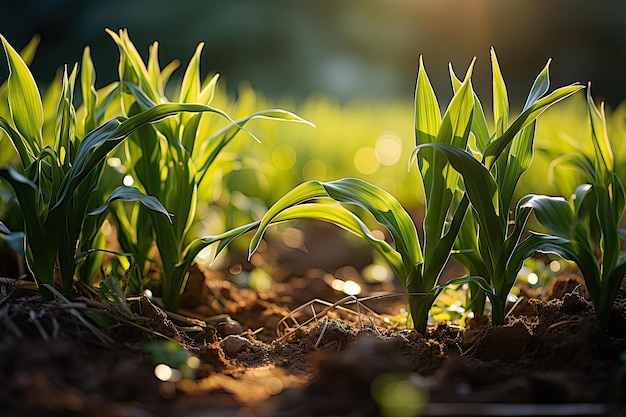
(371, 139)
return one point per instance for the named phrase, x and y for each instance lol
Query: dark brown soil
(549, 358)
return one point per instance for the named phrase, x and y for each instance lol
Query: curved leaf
(24, 150)
(223, 239)
(382, 205)
(554, 213)
(498, 145)
(528, 247)
(133, 194)
(98, 143)
(347, 220)
(480, 281)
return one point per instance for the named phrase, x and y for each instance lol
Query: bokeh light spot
(284, 157)
(388, 148)
(314, 170)
(274, 385)
(165, 373)
(366, 161)
(555, 266)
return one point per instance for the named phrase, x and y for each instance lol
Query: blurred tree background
(350, 49)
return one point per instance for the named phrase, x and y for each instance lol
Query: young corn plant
(589, 224)
(489, 242)
(443, 149)
(60, 174)
(169, 160)
(418, 269)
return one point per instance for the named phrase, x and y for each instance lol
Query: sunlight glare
(193, 362)
(377, 273)
(114, 162)
(388, 148)
(165, 373)
(555, 266)
(351, 288)
(366, 161)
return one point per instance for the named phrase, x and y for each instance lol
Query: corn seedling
(442, 156)
(169, 160)
(418, 270)
(589, 224)
(60, 174)
(489, 242)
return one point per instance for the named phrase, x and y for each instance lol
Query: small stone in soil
(229, 327)
(233, 344)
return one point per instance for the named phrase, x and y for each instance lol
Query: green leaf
(540, 86)
(554, 213)
(619, 198)
(498, 145)
(347, 220)
(41, 243)
(190, 88)
(383, 207)
(222, 137)
(130, 60)
(500, 97)
(535, 242)
(65, 122)
(456, 122)
(479, 122)
(427, 115)
(439, 179)
(603, 154)
(578, 162)
(223, 239)
(90, 96)
(519, 159)
(24, 98)
(480, 185)
(125, 193)
(24, 150)
(155, 75)
(99, 142)
(4, 230)
(480, 281)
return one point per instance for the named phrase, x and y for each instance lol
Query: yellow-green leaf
(427, 114)
(24, 98)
